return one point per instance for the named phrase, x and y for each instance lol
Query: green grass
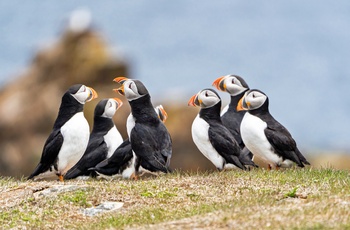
(289, 199)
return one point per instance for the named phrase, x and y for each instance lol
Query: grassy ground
(259, 199)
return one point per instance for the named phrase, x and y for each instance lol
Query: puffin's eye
(254, 95)
(206, 94)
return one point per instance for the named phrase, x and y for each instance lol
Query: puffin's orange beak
(92, 94)
(191, 101)
(163, 115)
(218, 83)
(120, 80)
(119, 102)
(240, 106)
(120, 90)
(194, 101)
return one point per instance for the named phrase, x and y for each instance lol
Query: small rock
(58, 189)
(103, 207)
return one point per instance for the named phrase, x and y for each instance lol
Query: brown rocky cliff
(29, 105)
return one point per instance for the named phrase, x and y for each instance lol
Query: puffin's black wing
(50, 152)
(166, 144)
(232, 120)
(95, 152)
(152, 144)
(121, 156)
(223, 142)
(283, 143)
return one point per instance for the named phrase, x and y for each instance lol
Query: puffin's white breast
(75, 134)
(200, 137)
(130, 169)
(253, 136)
(130, 124)
(113, 139)
(224, 110)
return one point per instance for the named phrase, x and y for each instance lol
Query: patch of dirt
(14, 197)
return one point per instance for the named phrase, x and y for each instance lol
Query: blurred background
(297, 52)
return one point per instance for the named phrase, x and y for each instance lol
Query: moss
(231, 199)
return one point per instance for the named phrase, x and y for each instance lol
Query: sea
(297, 52)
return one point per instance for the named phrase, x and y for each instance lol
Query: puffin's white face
(253, 100)
(111, 107)
(130, 90)
(233, 85)
(206, 99)
(84, 94)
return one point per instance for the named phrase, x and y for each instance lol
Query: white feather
(224, 110)
(253, 136)
(130, 123)
(113, 139)
(75, 134)
(201, 138)
(130, 170)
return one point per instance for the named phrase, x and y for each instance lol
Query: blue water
(295, 51)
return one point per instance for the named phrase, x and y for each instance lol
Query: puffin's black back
(232, 119)
(150, 139)
(101, 124)
(143, 111)
(69, 106)
(142, 108)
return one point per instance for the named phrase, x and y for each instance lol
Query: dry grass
(290, 199)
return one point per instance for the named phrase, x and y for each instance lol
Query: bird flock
(230, 138)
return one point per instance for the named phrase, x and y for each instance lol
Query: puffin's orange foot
(134, 177)
(60, 177)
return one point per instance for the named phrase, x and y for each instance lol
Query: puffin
(70, 134)
(122, 162)
(236, 86)
(148, 136)
(104, 138)
(266, 137)
(211, 137)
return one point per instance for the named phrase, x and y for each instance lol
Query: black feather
(117, 162)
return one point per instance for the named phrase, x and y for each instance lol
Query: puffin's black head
(205, 98)
(78, 94)
(233, 84)
(82, 93)
(74, 88)
(131, 89)
(253, 99)
(107, 107)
